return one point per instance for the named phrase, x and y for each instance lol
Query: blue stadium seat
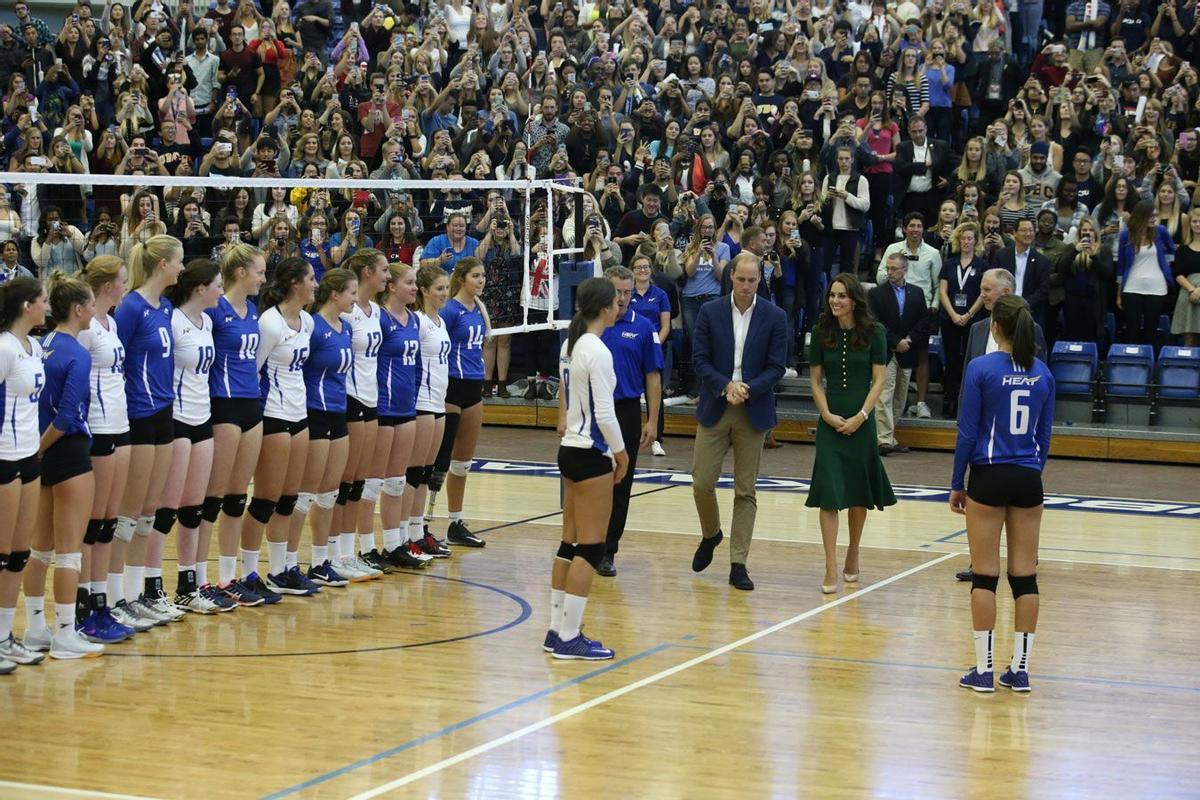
(937, 358)
(1179, 372)
(1130, 369)
(1074, 366)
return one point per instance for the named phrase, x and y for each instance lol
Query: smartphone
(231, 94)
(224, 148)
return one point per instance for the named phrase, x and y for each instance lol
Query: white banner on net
(537, 270)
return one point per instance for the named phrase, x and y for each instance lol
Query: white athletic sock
(135, 580)
(7, 615)
(276, 557)
(202, 573)
(226, 569)
(249, 559)
(35, 613)
(366, 542)
(416, 529)
(153, 572)
(64, 616)
(573, 606)
(984, 641)
(403, 531)
(1022, 647)
(292, 559)
(455, 516)
(116, 589)
(556, 607)
(391, 538)
(96, 587)
(320, 554)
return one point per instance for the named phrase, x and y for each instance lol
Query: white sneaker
(367, 569)
(165, 607)
(657, 449)
(790, 374)
(920, 410)
(67, 644)
(6, 667)
(195, 602)
(144, 607)
(347, 569)
(37, 640)
(415, 550)
(130, 618)
(12, 650)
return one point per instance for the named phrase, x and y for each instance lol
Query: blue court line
(466, 723)
(1118, 553)
(958, 670)
(950, 536)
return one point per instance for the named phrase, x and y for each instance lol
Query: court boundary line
(47, 788)
(638, 684)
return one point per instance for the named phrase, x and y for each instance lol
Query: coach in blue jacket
(739, 347)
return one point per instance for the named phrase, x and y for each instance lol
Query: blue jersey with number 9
(145, 332)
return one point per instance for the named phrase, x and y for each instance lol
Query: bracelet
(864, 415)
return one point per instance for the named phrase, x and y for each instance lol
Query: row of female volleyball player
(119, 428)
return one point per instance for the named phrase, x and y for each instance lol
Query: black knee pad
(566, 551)
(190, 517)
(413, 476)
(164, 520)
(343, 495)
(18, 560)
(92, 534)
(1022, 585)
(986, 582)
(211, 509)
(427, 473)
(108, 531)
(3, 561)
(262, 509)
(286, 505)
(234, 505)
(356, 490)
(591, 553)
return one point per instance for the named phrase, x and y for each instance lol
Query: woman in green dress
(849, 351)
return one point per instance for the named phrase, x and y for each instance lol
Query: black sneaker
(256, 585)
(402, 558)
(607, 568)
(434, 546)
(375, 560)
(460, 534)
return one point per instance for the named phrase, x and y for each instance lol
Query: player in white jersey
(591, 445)
(199, 288)
(433, 289)
(108, 417)
(285, 336)
(22, 306)
(355, 510)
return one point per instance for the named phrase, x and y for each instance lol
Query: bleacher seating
(1074, 366)
(1179, 373)
(1129, 370)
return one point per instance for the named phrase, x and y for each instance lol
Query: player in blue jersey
(198, 290)
(286, 330)
(330, 359)
(591, 458)
(237, 430)
(22, 378)
(399, 363)
(1004, 424)
(355, 510)
(652, 302)
(467, 325)
(433, 289)
(144, 326)
(67, 481)
(108, 419)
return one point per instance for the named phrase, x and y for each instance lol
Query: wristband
(864, 415)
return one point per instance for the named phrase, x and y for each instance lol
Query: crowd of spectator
(1058, 140)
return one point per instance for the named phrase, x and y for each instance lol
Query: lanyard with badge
(960, 297)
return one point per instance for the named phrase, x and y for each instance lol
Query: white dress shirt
(921, 183)
(1020, 263)
(741, 326)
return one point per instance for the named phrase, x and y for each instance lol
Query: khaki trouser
(732, 430)
(891, 401)
(1085, 60)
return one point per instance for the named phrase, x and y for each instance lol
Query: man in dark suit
(922, 171)
(739, 350)
(901, 309)
(1029, 268)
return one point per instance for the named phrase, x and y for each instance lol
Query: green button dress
(848, 471)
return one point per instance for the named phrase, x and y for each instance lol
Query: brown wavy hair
(864, 321)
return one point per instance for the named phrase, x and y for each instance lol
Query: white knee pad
(44, 556)
(460, 468)
(124, 530)
(69, 561)
(144, 526)
(393, 487)
(304, 502)
(327, 500)
(371, 489)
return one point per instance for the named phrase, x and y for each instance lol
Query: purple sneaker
(1017, 681)
(980, 683)
(582, 648)
(552, 642)
(95, 630)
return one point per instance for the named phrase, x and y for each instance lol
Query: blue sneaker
(94, 630)
(301, 579)
(218, 597)
(581, 648)
(240, 593)
(256, 585)
(552, 641)
(325, 575)
(1017, 681)
(109, 621)
(980, 683)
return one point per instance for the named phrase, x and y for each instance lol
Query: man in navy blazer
(739, 350)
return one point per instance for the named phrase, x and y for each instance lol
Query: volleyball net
(522, 230)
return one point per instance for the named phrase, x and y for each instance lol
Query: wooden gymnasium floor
(434, 684)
